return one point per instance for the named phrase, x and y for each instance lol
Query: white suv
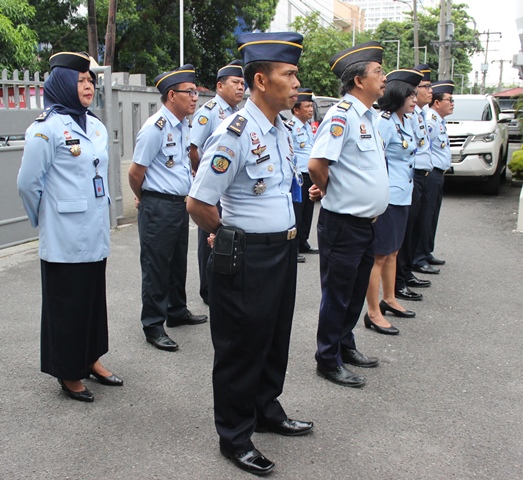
(478, 140)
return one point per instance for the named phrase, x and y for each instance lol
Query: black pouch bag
(228, 250)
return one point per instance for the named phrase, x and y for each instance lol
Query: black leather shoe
(301, 259)
(111, 380)
(252, 461)
(392, 330)
(308, 249)
(406, 293)
(385, 307)
(358, 359)
(341, 376)
(84, 396)
(163, 342)
(435, 261)
(187, 319)
(289, 427)
(418, 283)
(429, 269)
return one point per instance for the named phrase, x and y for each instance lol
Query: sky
(496, 16)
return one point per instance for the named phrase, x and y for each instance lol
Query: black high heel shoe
(84, 396)
(111, 380)
(392, 330)
(384, 306)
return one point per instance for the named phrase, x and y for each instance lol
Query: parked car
(478, 141)
(320, 105)
(514, 125)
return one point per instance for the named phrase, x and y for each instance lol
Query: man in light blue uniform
(248, 165)
(441, 106)
(303, 140)
(348, 167)
(160, 177)
(405, 278)
(230, 88)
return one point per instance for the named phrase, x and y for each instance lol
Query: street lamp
(398, 55)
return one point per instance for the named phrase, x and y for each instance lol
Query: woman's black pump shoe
(384, 307)
(111, 380)
(392, 330)
(84, 396)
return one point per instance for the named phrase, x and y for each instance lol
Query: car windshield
(466, 109)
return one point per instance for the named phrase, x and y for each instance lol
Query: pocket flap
(74, 205)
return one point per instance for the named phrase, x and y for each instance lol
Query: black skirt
(389, 229)
(74, 318)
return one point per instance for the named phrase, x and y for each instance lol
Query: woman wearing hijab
(62, 183)
(396, 132)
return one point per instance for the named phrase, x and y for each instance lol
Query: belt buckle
(427, 173)
(291, 233)
(374, 220)
(185, 199)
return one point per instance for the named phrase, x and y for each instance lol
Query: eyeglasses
(192, 93)
(428, 86)
(450, 99)
(413, 95)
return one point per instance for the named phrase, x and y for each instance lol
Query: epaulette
(237, 125)
(210, 104)
(288, 125)
(434, 116)
(43, 116)
(160, 123)
(291, 123)
(386, 115)
(344, 105)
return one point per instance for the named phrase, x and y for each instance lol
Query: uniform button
(410, 166)
(410, 181)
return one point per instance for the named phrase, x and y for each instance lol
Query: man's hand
(315, 194)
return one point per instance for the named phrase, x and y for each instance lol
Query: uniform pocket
(74, 205)
(367, 155)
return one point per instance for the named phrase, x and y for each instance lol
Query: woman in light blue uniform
(62, 183)
(400, 148)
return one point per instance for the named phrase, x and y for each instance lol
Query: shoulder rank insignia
(291, 123)
(288, 126)
(386, 115)
(210, 104)
(344, 105)
(43, 116)
(160, 123)
(434, 116)
(237, 125)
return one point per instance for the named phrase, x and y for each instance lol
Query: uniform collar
(259, 117)
(71, 126)
(438, 116)
(358, 105)
(171, 118)
(298, 122)
(223, 104)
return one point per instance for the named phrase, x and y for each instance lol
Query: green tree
(60, 26)
(17, 40)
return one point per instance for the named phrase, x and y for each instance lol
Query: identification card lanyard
(98, 182)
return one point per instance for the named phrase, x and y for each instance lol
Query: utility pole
(110, 36)
(484, 66)
(446, 32)
(415, 31)
(92, 31)
(501, 62)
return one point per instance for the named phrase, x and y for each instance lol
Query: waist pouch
(228, 250)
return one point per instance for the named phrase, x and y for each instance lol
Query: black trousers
(74, 318)
(413, 232)
(163, 226)
(304, 212)
(251, 317)
(346, 259)
(429, 224)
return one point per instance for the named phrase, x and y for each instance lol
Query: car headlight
(486, 137)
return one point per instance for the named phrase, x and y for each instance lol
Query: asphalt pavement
(446, 401)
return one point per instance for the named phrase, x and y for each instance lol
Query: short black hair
(436, 96)
(395, 94)
(252, 68)
(358, 69)
(165, 95)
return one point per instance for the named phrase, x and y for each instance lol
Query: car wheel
(503, 174)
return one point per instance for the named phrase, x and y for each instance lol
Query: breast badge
(260, 187)
(75, 150)
(254, 138)
(170, 162)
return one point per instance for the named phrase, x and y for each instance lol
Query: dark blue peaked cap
(233, 69)
(425, 70)
(443, 86)
(284, 47)
(182, 74)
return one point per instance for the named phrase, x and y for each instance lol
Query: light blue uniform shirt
(250, 173)
(207, 119)
(400, 160)
(440, 145)
(358, 181)
(303, 140)
(57, 188)
(418, 122)
(162, 145)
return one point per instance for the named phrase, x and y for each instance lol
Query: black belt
(165, 196)
(419, 171)
(268, 238)
(353, 218)
(439, 170)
